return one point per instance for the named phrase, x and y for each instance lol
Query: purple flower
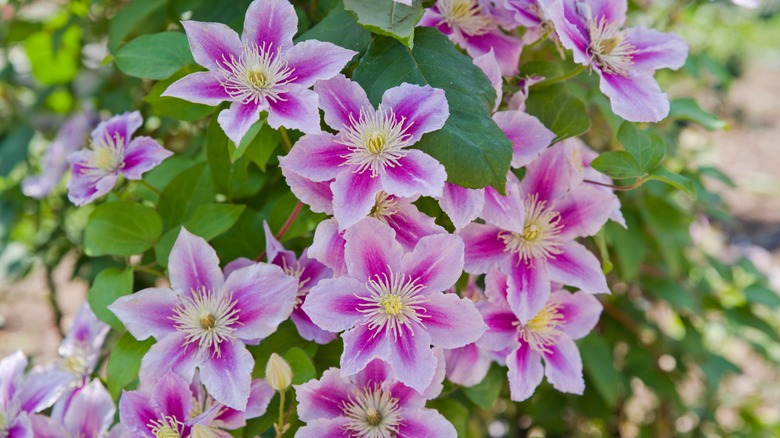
(371, 404)
(391, 303)
(371, 151)
(204, 320)
(262, 71)
(110, 154)
(625, 59)
(528, 14)
(54, 163)
(87, 413)
(20, 397)
(548, 335)
(174, 408)
(529, 234)
(473, 25)
(80, 350)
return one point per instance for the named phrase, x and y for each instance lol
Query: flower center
(542, 330)
(376, 140)
(257, 74)
(372, 413)
(106, 156)
(394, 303)
(385, 206)
(465, 16)
(207, 318)
(77, 364)
(539, 238)
(167, 427)
(609, 49)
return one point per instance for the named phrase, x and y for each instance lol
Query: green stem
(286, 138)
(280, 424)
(55, 307)
(636, 184)
(148, 270)
(566, 76)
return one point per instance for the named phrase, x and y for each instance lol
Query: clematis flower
(177, 409)
(625, 59)
(54, 163)
(548, 335)
(262, 71)
(112, 153)
(21, 396)
(537, 245)
(473, 26)
(391, 303)
(371, 151)
(204, 320)
(87, 413)
(371, 404)
(80, 350)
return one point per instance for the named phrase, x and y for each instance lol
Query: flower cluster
(380, 274)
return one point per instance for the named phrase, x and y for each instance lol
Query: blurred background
(715, 363)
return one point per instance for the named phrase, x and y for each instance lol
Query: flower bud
(278, 373)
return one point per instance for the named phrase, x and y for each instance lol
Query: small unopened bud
(278, 373)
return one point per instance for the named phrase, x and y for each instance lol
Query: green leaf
(387, 17)
(109, 285)
(263, 146)
(51, 66)
(599, 366)
(121, 228)
(339, 28)
(647, 148)
(124, 363)
(762, 295)
(185, 193)
(601, 243)
(674, 179)
(454, 412)
(155, 56)
(472, 148)
(233, 178)
(237, 152)
(133, 18)
(173, 107)
(617, 165)
(559, 111)
(689, 110)
(208, 222)
(485, 393)
(301, 364)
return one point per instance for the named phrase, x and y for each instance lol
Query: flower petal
(563, 366)
(316, 157)
(235, 265)
(237, 120)
(228, 376)
(525, 372)
(578, 267)
(325, 428)
(295, 109)
(529, 287)
(317, 195)
(528, 135)
(507, 49)
(411, 225)
(501, 325)
(638, 98)
(11, 372)
(353, 196)
(91, 411)
(416, 173)
(421, 109)
(488, 64)
(142, 155)
(202, 87)
(333, 304)
(484, 249)
(467, 366)
(308, 330)
(654, 50)
(505, 212)
(583, 211)
(42, 388)
(323, 398)
(170, 353)
(314, 60)
(83, 189)
(411, 357)
(580, 312)
(147, 313)
(328, 247)
(193, 264)
(119, 127)
(462, 205)
(551, 175)
(436, 262)
(264, 298)
(371, 250)
(361, 346)
(340, 99)
(452, 322)
(213, 45)
(570, 27)
(136, 412)
(425, 423)
(172, 396)
(270, 24)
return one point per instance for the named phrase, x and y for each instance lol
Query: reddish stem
(285, 227)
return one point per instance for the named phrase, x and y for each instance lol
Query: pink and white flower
(625, 58)
(391, 303)
(110, 154)
(473, 25)
(549, 334)
(204, 320)
(529, 235)
(88, 412)
(371, 152)
(371, 404)
(261, 71)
